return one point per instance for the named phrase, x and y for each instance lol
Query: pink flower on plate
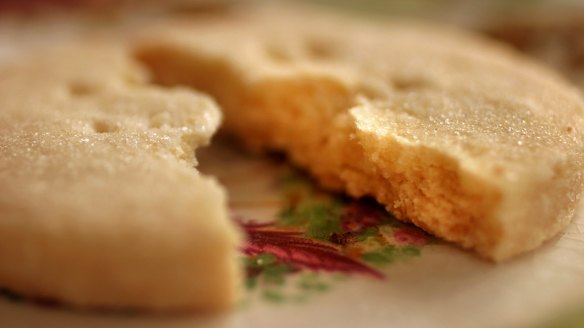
(289, 246)
(409, 236)
(359, 215)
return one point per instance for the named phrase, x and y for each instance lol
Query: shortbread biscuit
(458, 135)
(100, 203)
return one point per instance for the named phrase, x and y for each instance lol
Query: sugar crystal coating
(100, 203)
(459, 135)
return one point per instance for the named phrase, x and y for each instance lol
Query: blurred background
(550, 30)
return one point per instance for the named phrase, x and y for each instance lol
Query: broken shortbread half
(100, 205)
(461, 136)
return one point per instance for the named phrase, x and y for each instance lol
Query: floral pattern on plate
(316, 232)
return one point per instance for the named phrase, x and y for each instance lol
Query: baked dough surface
(457, 134)
(100, 203)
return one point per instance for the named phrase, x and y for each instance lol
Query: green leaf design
(319, 218)
(312, 282)
(273, 295)
(369, 232)
(389, 254)
(323, 221)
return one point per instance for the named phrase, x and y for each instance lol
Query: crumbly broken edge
(308, 119)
